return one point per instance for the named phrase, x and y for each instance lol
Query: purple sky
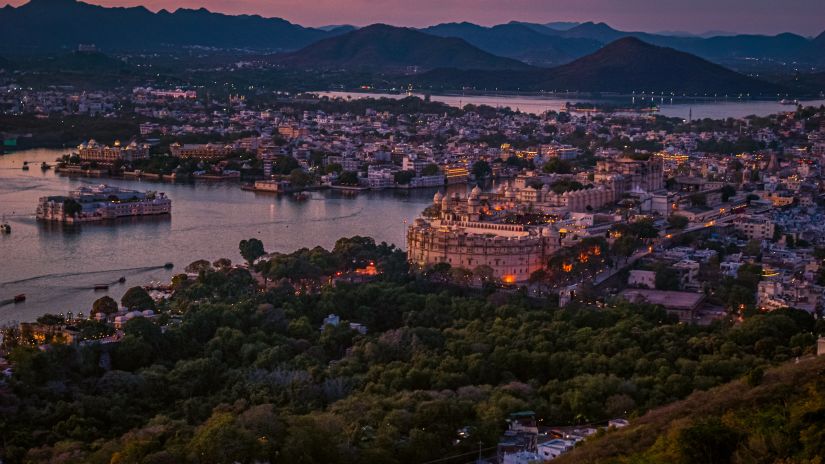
(806, 17)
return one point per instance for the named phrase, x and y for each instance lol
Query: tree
(221, 440)
(334, 167)
(728, 191)
(403, 177)
(106, 305)
(251, 250)
(430, 170)
(678, 221)
(698, 199)
(71, 207)
(299, 178)
(222, 263)
(348, 178)
(481, 169)
(196, 267)
(137, 298)
(557, 166)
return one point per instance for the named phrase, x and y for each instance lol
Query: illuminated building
(93, 151)
(88, 204)
(461, 238)
(205, 152)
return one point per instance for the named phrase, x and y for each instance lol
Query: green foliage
(481, 169)
(247, 375)
(557, 166)
(348, 178)
(404, 177)
(430, 170)
(300, 178)
(251, 250)
(137, 298)
(677, 221)
(71, 207)
(105, 305)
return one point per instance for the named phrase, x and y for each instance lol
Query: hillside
(518, 41)
(631, 65)
(624, 66)
(777, 418)
(383, 47)
(42, 25)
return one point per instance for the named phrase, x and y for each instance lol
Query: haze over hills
(624, 66)
(383, 47)
(51, 25)
(48, 25)
(518, 41)
(731, 50)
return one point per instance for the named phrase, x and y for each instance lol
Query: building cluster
(499, 229)
(526, 441)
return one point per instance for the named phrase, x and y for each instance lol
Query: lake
(57, 266)
(716, 109)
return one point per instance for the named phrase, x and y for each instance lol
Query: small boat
(168, 266)
(102, 287)
(121, 279)
(25, 167)
(20, 298)
(5, 228)
(788, 102)
(44, 166)
(300, 195)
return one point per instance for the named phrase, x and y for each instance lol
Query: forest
(230, 372)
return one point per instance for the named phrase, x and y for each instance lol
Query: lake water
(57, 266)
(718, 109)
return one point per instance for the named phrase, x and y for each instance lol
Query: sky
(806, 17)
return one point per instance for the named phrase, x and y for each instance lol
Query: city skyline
(698, 17)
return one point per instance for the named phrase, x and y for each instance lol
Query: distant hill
(624, 66)
(383, 47)
(726, 49)
(584, 38)
(46, 25)
(772, 418)
(631, 65)
(519, 41)
(561, 25)
(819, 41)
(87, 62)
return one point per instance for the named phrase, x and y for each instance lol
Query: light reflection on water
(57, 266)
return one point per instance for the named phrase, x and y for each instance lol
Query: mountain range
(388, 48)
(51, 25)
(570, 43)
(520, 41)
(624, 66)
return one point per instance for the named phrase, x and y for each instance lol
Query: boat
(121, 279)
(168, 266)
(5, 228)
(20, 298)
(300, 195)
(102, 287)
(25, 167)
(788, 102)
(44, 166)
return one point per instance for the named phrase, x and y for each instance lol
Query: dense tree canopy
(247, 374)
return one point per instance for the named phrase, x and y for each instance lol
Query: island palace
(88, 204)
